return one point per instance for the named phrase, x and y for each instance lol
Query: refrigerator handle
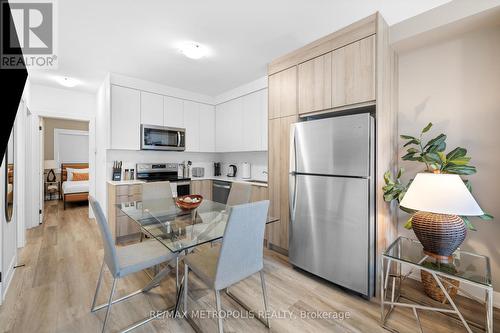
(292, 163)
(292, 179)
(292, 186)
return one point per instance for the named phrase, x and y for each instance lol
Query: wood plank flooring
(54, 290)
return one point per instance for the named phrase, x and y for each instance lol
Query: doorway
(64, 151)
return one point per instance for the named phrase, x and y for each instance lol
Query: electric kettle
(232, 170)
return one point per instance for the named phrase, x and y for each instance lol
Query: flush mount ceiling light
(193, 50)
(67, 81)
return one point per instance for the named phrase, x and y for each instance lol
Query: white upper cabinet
(192, 125)
(173, 112)
(236, 125)
(221, 124)
(255, 121)
(263, 120)
(125, 118)
(229, 126)
(207, 128)
(151, 109)
(241, 123)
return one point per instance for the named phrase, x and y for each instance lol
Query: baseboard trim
(8, 277)
(278, 249)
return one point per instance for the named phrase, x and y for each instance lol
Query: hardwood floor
(62, 258)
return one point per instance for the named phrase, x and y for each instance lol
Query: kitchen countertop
(230, 179)
(222, 178)
(125, 182)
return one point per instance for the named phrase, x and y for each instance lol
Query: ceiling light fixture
(193, 50)
(67, 81)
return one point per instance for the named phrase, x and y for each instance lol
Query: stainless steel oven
(155, 172)
(162, 138)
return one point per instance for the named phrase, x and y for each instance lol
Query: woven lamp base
(440, 234)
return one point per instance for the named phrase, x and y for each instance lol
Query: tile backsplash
(130, 158)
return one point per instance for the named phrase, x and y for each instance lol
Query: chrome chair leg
(186, 275)
(264, 294)
(110, 303)
(92, 308)
(219, 316)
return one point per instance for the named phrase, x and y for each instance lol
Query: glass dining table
(179, 230)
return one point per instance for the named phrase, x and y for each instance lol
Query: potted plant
(439, 234)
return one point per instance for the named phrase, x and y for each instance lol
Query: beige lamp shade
(441, 194)
(49, 164)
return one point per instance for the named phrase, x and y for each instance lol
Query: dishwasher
(220, 191)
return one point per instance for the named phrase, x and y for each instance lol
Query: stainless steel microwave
(162, 138)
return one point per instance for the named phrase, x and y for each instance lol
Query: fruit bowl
(188, 202)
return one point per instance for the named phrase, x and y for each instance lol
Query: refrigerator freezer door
(337, 146)
(330, 230)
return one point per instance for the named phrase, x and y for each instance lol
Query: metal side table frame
(393, 278)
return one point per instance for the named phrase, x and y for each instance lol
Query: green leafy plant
(432, 155)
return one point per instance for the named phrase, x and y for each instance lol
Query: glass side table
(406, 255)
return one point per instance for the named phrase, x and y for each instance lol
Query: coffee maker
(217, 171)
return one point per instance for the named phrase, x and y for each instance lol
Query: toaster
(198, 172)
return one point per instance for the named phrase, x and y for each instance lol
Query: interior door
(330, 229)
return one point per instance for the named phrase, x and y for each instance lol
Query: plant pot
(440, 234)
(432, 289)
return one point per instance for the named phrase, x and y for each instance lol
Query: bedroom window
(71, 146)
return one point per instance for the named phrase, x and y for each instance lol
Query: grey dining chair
(123, 261)
(156, 190)
(239, 194)
(239, 256)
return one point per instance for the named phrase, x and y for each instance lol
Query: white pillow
(71, 171)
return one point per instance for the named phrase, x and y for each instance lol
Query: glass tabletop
(465, 265)
(179, 229)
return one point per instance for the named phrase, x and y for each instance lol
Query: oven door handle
(178, 139)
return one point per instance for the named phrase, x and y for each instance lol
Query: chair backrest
(239, 194)
(108, 242)
(242, 252)
(156, 190)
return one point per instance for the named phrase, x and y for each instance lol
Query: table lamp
(50, 165)
(439, 199)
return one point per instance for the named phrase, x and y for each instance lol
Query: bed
(73, 190)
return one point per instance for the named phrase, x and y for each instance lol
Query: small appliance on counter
(117, 171)
(198, 171)
(245, 170)
(232, 170)
(217, 171)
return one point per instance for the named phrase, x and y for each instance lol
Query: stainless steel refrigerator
(332, 220)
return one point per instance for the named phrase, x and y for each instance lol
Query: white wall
(64, 103)
(101, 141)
(10, 236)
(455, 84)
